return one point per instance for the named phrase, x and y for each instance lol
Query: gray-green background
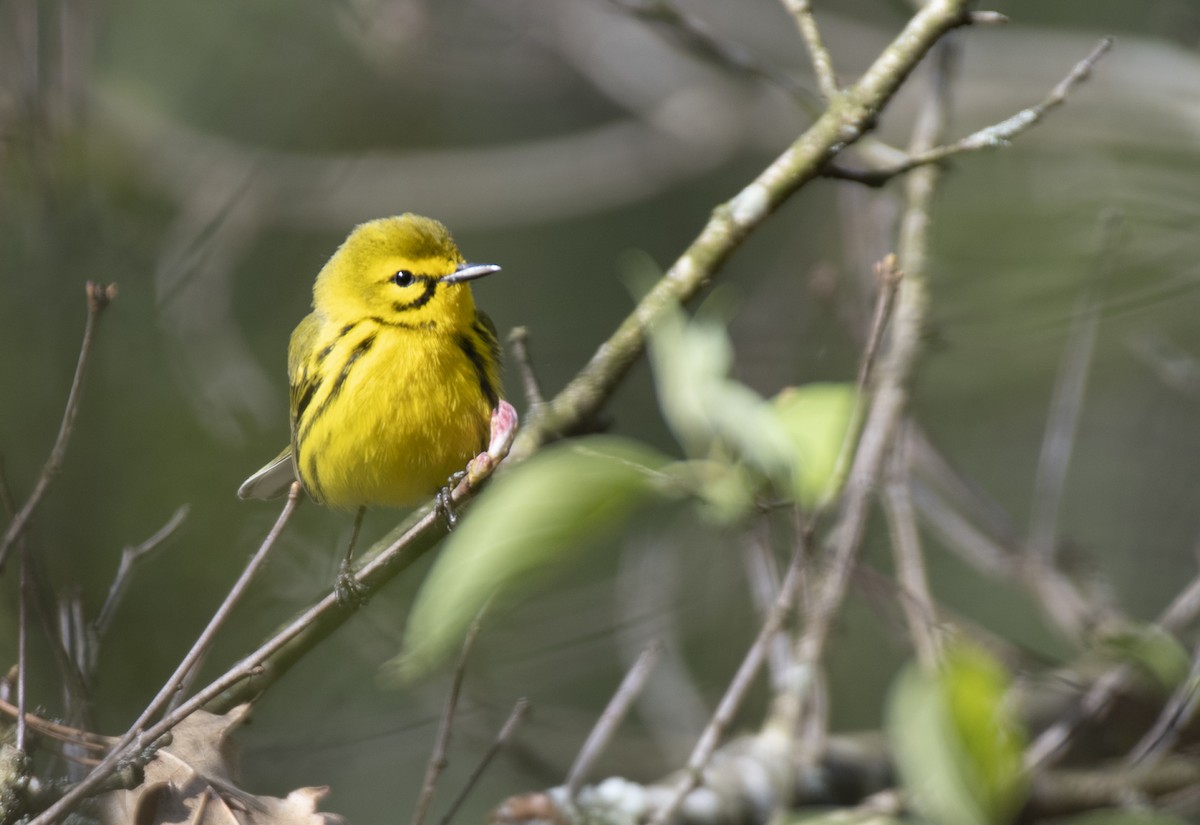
(208, 157)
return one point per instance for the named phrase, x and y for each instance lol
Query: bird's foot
(443, 502)
(349, 590)
(503, 429)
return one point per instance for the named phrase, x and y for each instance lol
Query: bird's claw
(444, 501)
(349, 591)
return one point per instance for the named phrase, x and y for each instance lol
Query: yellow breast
(395, 411)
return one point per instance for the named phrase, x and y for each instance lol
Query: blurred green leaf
(704, 407)
(527, 521)
(1151, 648)
(817, 419)
(957, 747)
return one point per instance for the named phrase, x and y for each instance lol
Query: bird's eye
(403, 278)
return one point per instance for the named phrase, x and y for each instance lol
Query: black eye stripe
(430, 285)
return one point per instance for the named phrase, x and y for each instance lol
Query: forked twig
(992, 137)
(890, 397)
(520, 709)
(438, 757)
(137, 732)
(98, 297)
(129, 557)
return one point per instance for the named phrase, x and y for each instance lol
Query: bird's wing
(271, 481)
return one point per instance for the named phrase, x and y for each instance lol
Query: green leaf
(818, 420)
(708, 411)
(958, 748)
(1151, 648)
(526, 522)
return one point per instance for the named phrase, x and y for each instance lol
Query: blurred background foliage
(208, 157)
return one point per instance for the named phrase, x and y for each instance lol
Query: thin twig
(57, 731)
(73, 683)
(692, 773)
(915, 598)
(612, 717)
(996, 136)
(1174, 717)
(129, 557)
(518, 339)
(23, 585)
(891, 395)
(441, 747)
(22, 636)
(887, 276)
(506, 732)
(179, 683)
(733, 221)
(817, 52)
(265, 664)
(98, 298)
(1052, 742)
(1061, 426)
(762, 573)
(693, 34)
(136, 732)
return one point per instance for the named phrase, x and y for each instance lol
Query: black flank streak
(486, 330)
(309, 389)
(361, 349)
(313, 482)
(473, 355)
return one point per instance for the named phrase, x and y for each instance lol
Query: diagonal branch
(845, 121)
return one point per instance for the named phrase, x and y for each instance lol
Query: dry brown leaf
(194, 780)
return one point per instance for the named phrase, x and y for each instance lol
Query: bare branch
(612, 716)
(438, 758)
(995, 136)
(888, 403)
(176, 683)
(23, 586)
(888, 276)
(1052, 742)
(130, 556)
(694, 35)
(762, 574)
(915, 598)
(98, 297)
(692, 773)
(821, 60)
(506, 732)
(518, 339)
(1174, 717)
(734, 220)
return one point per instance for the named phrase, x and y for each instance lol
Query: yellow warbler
(394, 375)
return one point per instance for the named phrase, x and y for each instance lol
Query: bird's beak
(469, 272)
